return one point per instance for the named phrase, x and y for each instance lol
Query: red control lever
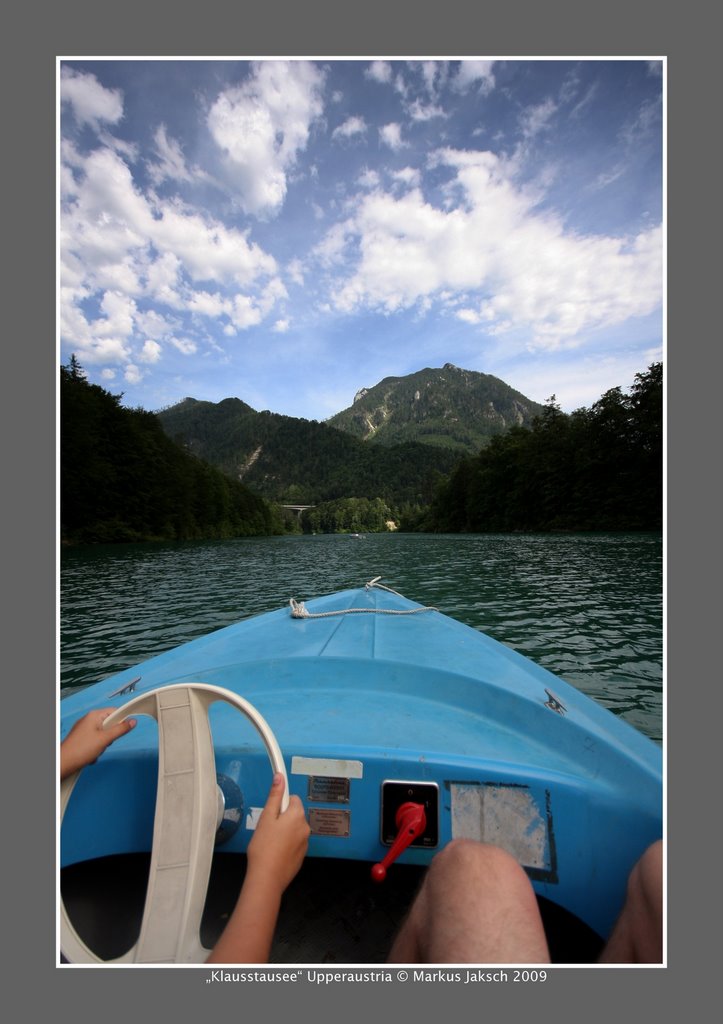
(411, 821)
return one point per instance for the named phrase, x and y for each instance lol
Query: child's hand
(274, 856)
(87, 740)
(279, 844)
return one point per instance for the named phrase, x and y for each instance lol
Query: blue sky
(290, 231)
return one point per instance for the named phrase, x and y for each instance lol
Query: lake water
(588, 607)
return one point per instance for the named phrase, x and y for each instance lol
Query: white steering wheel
(185, 822)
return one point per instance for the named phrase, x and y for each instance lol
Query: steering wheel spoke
(184, 825)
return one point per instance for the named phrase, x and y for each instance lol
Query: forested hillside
(595, 469)
(298, 461)
(123, 479)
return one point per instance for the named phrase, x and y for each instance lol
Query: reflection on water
(586, 607)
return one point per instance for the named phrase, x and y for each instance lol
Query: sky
(289, 231)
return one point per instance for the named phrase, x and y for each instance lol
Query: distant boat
(366, 701)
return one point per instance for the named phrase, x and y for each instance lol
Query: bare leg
(476, 905)
(637, 937)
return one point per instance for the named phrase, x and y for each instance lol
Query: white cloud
(145, 276)
(586, 100)
(426, 76)
(272, 293)
(95, 351)
(644, 122)
(151, 351)
(245, 312)
(296, 271)
(369, 178)
(407, 176)
(108, 219)
(122, 246)
(332, 247)
(118, 316)
(638, 129)
(91, 103)
(391, 135)
(74, 327)
(124, 276)
(133, 374)
(262, 125)
(419, 111)
(536, 118)
(208, 250)
(472, 72)
(163, 280)
(128, 151)
(605, 178)
(208, 304)
(127, 241)
(172, 163)
(468, 316)
(186, 346)
(352, 126)
(379, 71)
(434, 72)
(152, 325)
(518, 268)
(400, 261)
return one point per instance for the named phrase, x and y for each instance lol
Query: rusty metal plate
(325, 789)
(328, 821)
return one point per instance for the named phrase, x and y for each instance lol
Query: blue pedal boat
(370, 703)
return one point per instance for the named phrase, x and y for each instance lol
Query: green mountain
(448, 407)
(298, 461)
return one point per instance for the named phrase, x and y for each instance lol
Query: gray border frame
(690, 36)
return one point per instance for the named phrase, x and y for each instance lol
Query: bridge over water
(298, 509)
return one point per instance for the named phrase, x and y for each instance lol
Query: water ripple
(587, 607)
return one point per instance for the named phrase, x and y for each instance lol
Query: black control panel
(395, 793)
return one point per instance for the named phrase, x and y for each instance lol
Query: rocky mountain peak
(447, 406)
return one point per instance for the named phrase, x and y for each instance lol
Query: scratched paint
(506, 816)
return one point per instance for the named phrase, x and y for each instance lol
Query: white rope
(299, 610)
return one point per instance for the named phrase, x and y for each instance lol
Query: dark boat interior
(332, 913)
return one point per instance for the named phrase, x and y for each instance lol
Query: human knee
(646, 879)
(478, 906)
(470, 860)
(463, 853)
(643, 911)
